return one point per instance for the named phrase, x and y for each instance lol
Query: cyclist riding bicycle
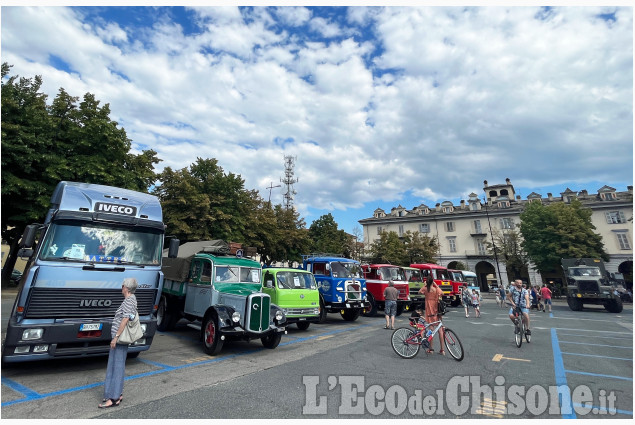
(519, 297)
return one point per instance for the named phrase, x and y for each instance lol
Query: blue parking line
(31, 395)
(577, 372)
(603, 337)
(561, 378)
(596, 345)
(594, 355)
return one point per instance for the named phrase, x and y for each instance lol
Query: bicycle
(407, 341)
(519, 327)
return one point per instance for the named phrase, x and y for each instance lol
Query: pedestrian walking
(476, 302)
(113, 384)
(391, 294)
(466, 299)
(546, 295)
(501, 294)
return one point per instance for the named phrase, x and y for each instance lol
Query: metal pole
(493, 244)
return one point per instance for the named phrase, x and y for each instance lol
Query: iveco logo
(115, 208)
(95, 303)
(255, 306)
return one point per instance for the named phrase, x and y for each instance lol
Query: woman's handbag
(131, 332)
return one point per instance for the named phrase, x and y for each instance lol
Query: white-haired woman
(113, 385)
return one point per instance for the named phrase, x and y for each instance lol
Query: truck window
(226, 274)
(319, 268)
(341, 269)
(295, 280)
(392, 273)
(206, 275)
(100, 242)
(196, 270)
(249, 275)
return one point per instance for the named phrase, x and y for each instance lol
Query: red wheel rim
(210, 333)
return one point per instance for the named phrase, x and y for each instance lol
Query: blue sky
(380, 106)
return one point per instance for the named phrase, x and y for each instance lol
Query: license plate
(90, 327)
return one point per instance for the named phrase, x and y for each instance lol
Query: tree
(356, 243)
(558, 231)
(389, 249)
(420, 248)
(280, 234)
(42, 145)
(509, 247)
(325, 237)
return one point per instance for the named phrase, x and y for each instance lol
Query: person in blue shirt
(519, 296)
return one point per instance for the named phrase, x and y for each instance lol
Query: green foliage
(509, 249)
(389, 249)
(420, 248)
(559, 231)
(325, 237)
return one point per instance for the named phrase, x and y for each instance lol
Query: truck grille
(353, 291)
(65, 303)
(258, 312)
(588, 286)
(447, 289)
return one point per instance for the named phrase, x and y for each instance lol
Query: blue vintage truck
(92, 238)
(341, 284)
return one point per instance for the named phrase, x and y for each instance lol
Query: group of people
(471, 299)
(539, 298)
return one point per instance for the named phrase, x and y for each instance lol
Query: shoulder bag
(131, 332)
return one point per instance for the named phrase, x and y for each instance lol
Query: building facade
(463, 230)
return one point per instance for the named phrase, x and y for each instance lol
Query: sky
(379, 106)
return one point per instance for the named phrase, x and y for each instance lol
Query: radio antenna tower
(289, 180)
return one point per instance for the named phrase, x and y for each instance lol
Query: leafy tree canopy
(325, 237)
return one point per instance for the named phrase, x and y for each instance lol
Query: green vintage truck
(295, 291)
(220, 295)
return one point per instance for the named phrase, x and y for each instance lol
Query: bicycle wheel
(527, 337)
(518, 333)
(453, 345)
(405, 343)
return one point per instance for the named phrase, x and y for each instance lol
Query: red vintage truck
(457, 279)
(377, 277)
(441, 276)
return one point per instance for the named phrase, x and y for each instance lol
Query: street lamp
(493, 243)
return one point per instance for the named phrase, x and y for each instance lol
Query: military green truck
(295, 291)
(587, 283)
(220, 295)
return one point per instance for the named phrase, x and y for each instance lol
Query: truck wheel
(350, 315)
(303, 326)
(212, 344)
(574, 304)
(272, 340)
(372, 312)
(455, 302)
(322, 311)
(614, 306)
(166, 319)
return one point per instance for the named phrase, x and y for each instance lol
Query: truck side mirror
(28, 237)
(173, 250)
(269, 283)
(25, 252)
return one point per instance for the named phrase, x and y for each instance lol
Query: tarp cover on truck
(178, 268)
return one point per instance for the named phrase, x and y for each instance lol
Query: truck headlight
(34, 333)
(236, 317)
(144, 327)
(279, 315)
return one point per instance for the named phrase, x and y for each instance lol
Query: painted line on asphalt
(31, 395)
(594, 355)
(603, 337)
(561, 377)
(596, 345)
(591, 330)
(577, 372)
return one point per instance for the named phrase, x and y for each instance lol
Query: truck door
(199, 287)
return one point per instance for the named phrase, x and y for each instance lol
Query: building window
(474, 206)
(449, 226)
(379, 230)
(452, 243)
(424, 228)
(507, 223)
(480, 247)
(447, 209)
(503, 204)
(477, 226)
(622, 238)
(615, 217)
(608, 196)
(401, 230)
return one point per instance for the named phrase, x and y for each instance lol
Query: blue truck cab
(341, 284)
(92, 238)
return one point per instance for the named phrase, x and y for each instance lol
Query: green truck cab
(295, 291)
(220, 295)
(414, 277)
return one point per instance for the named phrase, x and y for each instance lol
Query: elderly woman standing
(113, 385)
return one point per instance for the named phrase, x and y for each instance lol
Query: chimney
(518, 197)
(549, 196)
(484, 183)
(508, 181)
(438, 207)
(630, 189)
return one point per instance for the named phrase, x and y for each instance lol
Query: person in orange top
(433, 294)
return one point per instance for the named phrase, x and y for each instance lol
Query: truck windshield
(101, 243)
(340, 269)
(441, 274)
(391, 273)
(235, 274)
(413, 275)
(583, 271)
(296, 280)
(471, 280)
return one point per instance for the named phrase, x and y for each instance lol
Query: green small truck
(295, 291)
(220, 295)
